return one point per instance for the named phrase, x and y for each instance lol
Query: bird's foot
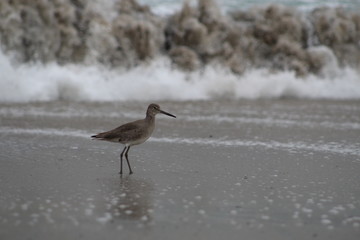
(131, 172)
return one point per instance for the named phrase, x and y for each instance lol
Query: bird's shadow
(130, 198)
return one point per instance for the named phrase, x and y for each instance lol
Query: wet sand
(286, 169)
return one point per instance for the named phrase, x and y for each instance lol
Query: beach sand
(265, 169)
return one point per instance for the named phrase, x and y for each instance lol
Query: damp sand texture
(275, 169)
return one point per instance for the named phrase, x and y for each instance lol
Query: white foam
(158, 81)
(106, 218)
(46, 132)
(270, 121)
(331, 147)
(291, 120)
(167, 7)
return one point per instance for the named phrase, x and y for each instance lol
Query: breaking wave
(121, 50)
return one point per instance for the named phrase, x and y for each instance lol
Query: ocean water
(38, 65)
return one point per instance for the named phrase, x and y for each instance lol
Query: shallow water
(266, 168)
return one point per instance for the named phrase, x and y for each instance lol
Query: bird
(133, 133)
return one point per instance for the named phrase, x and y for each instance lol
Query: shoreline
(187, 182)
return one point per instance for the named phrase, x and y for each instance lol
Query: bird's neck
(150, 117)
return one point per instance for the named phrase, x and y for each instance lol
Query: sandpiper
(133, 133)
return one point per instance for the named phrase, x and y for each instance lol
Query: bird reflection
(130, 198)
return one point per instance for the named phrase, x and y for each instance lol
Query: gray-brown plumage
(133, 133)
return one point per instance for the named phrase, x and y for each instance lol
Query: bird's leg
(127, 159)
(121, 159)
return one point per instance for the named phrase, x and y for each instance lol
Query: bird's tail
(99, 136)
(95, 136)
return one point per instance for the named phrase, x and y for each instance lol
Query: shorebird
(133, 133)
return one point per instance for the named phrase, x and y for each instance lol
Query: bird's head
(154, 109)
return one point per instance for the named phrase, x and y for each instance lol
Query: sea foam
(159, 81)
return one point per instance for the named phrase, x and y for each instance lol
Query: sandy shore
(249, 170)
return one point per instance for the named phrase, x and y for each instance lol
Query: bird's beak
(166, 113)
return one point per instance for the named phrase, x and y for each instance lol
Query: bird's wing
(122, 133)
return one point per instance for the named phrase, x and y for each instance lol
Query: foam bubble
(106, 218)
